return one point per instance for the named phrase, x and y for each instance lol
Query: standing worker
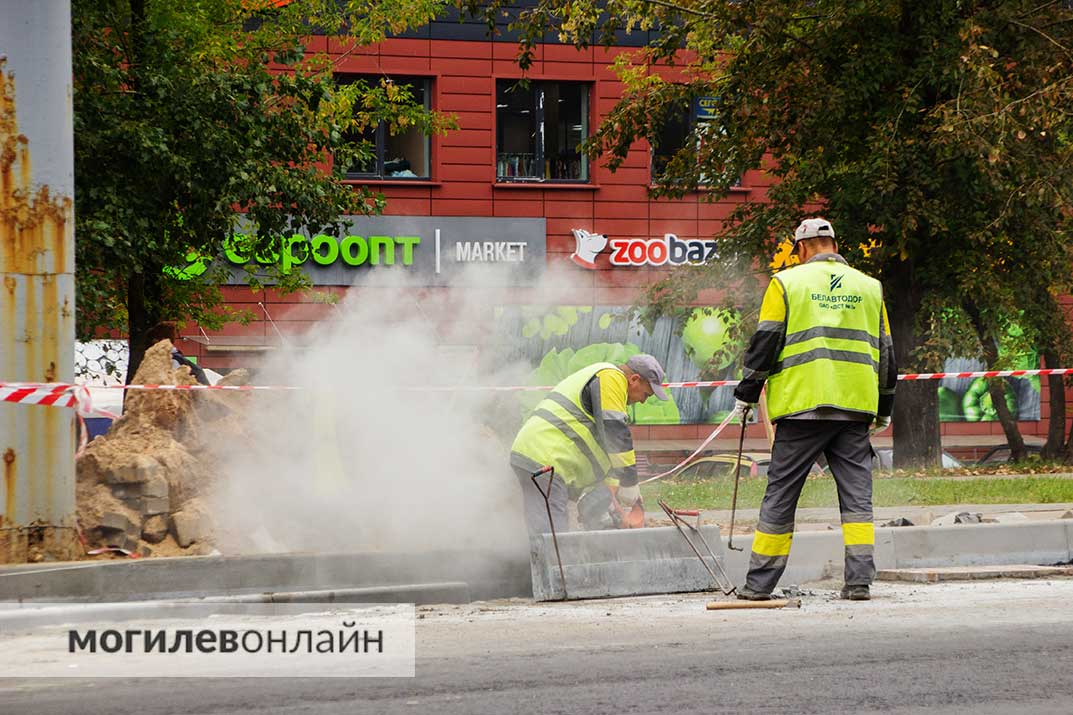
(823, 345)
(580, 429)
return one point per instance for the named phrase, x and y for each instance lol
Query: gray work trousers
(798, 443)
(536, 512)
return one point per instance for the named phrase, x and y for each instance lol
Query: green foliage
(190, 111)
(895, 491)
(936, 136)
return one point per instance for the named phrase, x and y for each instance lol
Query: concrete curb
(14, 616)
(437, 576)
(460, 576)
(818, 555)
(631, 562)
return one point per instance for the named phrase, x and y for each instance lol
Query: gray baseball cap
(649, 368)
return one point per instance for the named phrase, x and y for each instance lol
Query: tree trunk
(143, 317)
(1056, 422)
(1067, 454)
(997, 388)
(916, 406)
(143, 302)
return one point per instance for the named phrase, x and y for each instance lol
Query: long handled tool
(737, 477)
(550, 471)
(735, 605)
(721, 580)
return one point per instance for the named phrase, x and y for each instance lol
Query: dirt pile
(138, 486)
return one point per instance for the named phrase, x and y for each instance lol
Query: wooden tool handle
(775, 603)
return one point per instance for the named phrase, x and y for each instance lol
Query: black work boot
(747, 594)
(856, 593)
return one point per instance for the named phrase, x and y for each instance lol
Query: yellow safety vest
(830, 357)
(560, 432)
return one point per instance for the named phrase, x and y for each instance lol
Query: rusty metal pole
(37, 501)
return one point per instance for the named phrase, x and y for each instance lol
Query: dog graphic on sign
(587, 246)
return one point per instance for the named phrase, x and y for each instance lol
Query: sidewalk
(813, 519)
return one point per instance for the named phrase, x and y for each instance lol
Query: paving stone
(189, 525)
(155, 486)
(155, 529)
(141, 469)
(117, 521)
(121, 539)
(151, 506)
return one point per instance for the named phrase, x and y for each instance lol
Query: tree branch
(1041, 33)
(680, 8)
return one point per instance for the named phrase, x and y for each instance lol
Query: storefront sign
(669, 250)
(704, 108)
(435, 250)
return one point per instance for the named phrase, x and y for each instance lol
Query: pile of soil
(140, 487)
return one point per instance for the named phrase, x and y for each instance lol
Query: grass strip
(895, 491)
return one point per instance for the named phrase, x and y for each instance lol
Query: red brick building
(514, 156)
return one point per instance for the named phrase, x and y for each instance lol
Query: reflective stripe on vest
(830, 357)
(561, 433)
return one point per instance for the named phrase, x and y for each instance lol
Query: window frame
(381, 132)
(693, 120)
(537, 102)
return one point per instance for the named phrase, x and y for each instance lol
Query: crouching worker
(580, 429)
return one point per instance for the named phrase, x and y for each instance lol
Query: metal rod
(722, 581)
(737, 478)
(550, 471)
(282, 340)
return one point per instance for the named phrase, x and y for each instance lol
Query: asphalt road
(980, 648)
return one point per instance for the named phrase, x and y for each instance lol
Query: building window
(403, 155)
(671, 139)
(539, 131)
(689, 124)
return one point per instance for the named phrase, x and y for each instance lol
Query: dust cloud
(372, 454)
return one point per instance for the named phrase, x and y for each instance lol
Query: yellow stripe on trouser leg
(772, 544)
(859, 534)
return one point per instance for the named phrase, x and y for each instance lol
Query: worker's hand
(587, 245)
(742, 410)
(628, 496)
(880, 424)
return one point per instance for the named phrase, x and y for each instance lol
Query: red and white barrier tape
(687, 460)
(77, 396)
(39, 385)
(55, 394)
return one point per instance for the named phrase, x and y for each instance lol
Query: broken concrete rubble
(961, 517)
(140, 483)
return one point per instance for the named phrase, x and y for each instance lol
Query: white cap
(814, 228)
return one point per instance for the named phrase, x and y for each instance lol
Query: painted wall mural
(560, 340)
